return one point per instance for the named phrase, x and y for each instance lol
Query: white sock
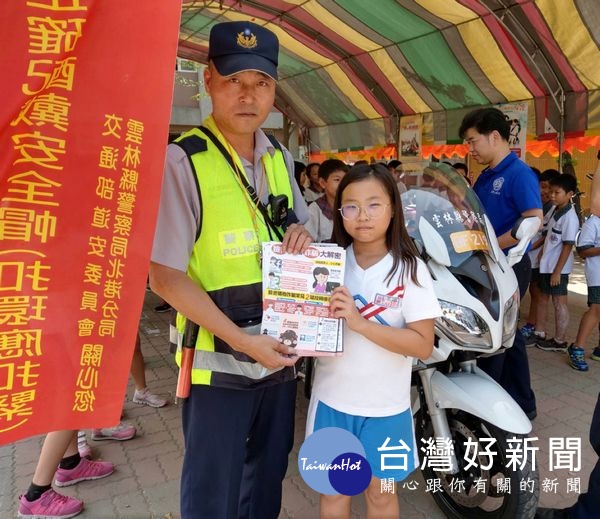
(81, 439)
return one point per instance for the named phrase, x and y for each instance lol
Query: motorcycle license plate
(465, 241)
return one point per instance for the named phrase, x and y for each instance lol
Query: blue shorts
(388, 440)
(593, 296)
(556, 290)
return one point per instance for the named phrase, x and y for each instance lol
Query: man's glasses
(352, 211)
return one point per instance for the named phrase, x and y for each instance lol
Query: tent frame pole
(561, 131)
(557, 96)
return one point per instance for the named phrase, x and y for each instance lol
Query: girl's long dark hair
(397, 239)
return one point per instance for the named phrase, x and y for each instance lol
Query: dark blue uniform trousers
(236, 451)
(511, 368)
(588, 504)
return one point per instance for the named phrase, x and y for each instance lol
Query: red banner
(87, 88)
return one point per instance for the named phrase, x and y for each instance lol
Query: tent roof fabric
(351, 61)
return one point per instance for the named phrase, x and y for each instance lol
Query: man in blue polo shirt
(508, 189)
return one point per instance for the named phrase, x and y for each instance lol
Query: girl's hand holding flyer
(343, 307)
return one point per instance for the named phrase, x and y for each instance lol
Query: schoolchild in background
(314, 189)
(320, 214)
(588, 503)
(300, 175)
(60, 462)
(536, 247)
(556, 263)
(588, 247)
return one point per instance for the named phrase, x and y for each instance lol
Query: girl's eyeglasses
(352, 211)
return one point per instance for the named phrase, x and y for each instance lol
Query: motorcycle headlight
(463, 326)
(511, 315)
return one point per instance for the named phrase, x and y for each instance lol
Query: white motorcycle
(454, 399)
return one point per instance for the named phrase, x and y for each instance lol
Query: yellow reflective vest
(225, 260)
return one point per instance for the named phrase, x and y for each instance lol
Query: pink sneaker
(49, 505)
(121, 432)
(84, 471)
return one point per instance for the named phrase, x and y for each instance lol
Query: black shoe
(531, 415)
(531, 339)
(551, 345)
(551, 513)
(164, 307)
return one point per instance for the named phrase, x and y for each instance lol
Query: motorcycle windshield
(444, 199)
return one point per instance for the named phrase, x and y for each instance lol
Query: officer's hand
(269, 352)
(296, 239)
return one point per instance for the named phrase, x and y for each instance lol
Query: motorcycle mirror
(495, 250)
(434, 243)
(523, 230)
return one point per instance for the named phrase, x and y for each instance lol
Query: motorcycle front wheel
(495, 493)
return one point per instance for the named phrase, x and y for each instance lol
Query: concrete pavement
(146, 481)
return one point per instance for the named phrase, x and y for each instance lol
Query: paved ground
(146, 482)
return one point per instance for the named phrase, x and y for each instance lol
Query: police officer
(220, 183)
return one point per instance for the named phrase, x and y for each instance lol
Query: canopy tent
(350, 68)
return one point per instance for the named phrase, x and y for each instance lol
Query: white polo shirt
(563, 227)
(588, 238)
(368, 380)
(319, 226)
